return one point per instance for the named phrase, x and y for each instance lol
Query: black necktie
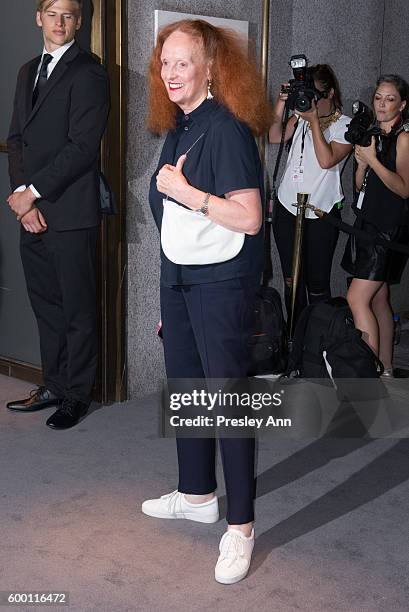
(42, 77)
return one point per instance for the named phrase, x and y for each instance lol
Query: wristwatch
(204, 209)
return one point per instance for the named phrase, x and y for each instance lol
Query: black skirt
(374, 261)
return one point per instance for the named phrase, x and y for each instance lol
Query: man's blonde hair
(43, 5)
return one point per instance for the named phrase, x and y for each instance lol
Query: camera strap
(270, 209)
(348, 157)
(304, 132)
(271, 206)
(361, 234)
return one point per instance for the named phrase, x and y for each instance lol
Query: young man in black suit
(60, 113)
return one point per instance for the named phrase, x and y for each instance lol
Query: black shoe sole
(56, 428)
(33, 409)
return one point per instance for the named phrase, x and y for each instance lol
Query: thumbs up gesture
(171, 181)
(180, 163)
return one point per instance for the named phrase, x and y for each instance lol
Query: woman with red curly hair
(206, 198)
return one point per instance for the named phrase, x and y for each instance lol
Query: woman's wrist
(278, 109)
(193, 198)
(374, 163)
(315, 122)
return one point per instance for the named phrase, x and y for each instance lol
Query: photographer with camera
(317, 147)
(382, 182)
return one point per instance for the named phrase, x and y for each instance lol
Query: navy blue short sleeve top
(225, 158)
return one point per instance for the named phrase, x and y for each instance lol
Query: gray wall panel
(395, 54)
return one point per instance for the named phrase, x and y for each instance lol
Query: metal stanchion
(302, 199)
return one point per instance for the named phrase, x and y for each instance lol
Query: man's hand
(34, 222)
(21, 202)
(170, 179)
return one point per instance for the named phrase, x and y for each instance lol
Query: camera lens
(302, 103)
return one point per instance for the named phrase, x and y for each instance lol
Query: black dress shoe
(39, 398)
(68, 415)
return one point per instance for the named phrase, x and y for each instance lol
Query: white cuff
(21, 188)
(34, 190)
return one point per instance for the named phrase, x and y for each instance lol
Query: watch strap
(204, 209)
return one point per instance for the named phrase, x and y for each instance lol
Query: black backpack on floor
(327, 345)
(268, 340)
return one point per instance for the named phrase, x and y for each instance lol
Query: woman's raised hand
(170, 179)
(310, 115)
(282, 95)
(365, 155)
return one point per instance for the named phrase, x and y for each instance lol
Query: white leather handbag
(190, 238)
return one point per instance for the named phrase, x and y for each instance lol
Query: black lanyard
(304, 131)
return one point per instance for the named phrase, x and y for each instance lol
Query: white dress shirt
(56, 55)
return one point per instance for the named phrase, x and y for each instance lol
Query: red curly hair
(236, 82)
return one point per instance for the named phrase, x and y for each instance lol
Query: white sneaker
(174, 506)
(235, 556)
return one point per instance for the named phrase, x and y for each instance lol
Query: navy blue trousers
(205, 332)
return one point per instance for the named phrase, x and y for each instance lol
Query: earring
(209, 93)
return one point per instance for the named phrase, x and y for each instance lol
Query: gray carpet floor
(332, 519)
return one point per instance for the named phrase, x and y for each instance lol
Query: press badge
(298, 174)
(360, 199)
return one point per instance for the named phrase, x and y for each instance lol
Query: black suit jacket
(55, 145)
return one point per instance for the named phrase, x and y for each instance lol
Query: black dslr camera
(362, 128)
(301, 90)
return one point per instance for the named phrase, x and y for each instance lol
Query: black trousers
(319, 244)
(60, 269)
(205, 332)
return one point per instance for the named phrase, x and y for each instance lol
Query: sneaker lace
(174, 501)
(231, 547)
